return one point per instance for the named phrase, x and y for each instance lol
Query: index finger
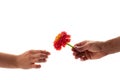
(45, 52)
(40, 51)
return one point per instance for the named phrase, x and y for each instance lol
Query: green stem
(70, 45)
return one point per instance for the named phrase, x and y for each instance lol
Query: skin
(86, 50)
(25, 60)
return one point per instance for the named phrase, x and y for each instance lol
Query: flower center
(57, 37)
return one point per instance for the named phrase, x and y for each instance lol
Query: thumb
(82, 48)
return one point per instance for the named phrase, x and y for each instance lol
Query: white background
(33, 24)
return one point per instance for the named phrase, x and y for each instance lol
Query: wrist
(17, 61)
(107, 47)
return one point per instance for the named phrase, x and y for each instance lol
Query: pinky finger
(36, 66)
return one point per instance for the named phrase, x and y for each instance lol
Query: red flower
(61, 40)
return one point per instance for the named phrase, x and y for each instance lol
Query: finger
(82, 48)
(78, 49)
(38, 60)
(39, 55)
(79, 55)
(76, 54)
(76, 57)
(75, 49)
(34, 51)
(45, 52)
(42, 60)
(88, 54)
(35, 66)
(39, 51)
(43, 56)
(82, 56)
(33, 56)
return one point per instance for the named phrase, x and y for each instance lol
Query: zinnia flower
(61, 40)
